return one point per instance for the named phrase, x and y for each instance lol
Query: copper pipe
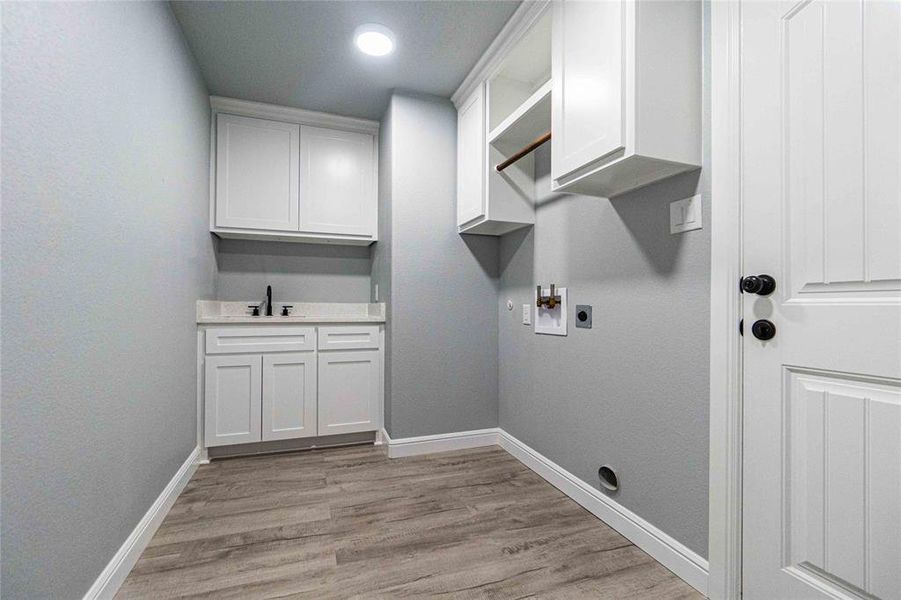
(530, 148)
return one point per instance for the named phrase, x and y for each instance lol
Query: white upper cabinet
(337, 182)
(256, 173)
(614, 84)
(504, 112)
(293, 175)
(471, 158)
(626, 95)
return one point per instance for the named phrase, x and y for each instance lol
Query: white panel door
(337, 182)
(349, 385)
(289, 395)
(256, 173)
(471, 166)
(587, 69)
(821, 192)
(232, 393)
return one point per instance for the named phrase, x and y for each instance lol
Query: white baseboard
(672, 554)
(112, 577)
(442, 442)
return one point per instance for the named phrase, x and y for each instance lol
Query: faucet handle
(255, 308)
(286, 309)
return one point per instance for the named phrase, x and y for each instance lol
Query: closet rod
(531, 147)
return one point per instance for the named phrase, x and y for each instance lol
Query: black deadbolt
(583, 316)
(763, 329)
(762, 285)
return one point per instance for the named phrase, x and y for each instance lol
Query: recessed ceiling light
(373, 39)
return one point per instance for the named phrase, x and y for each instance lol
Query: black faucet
(268, 300)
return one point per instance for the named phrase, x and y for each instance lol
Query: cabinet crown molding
(518, 24)
(262, 110)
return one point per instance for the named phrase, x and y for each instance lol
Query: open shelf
(530, 120)
(524, 70)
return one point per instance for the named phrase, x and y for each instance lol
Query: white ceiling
(302, 54)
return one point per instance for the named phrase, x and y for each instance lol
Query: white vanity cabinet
(275, 382)
(626, 93)
(292, 175)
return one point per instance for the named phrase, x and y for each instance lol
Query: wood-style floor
(351, 523)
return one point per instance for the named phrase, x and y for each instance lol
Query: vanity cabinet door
(232, 399)
(349, 386)
(471, 164)
(338, 192)
(289, 395)
(256, 173)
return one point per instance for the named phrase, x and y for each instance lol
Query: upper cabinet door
(338, 192)
(256, 173)
(471, 158)
(587, 73)
(289, 395)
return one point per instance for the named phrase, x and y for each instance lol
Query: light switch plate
(526, 314)
(685, 214)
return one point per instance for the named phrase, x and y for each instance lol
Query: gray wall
(105, 249)
(632, 391)
(297, 272)
(443, 285)
(381, 250)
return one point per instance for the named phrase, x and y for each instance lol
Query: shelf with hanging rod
(525, 151)
(515, 104)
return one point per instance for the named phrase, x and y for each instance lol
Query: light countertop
(211, 312)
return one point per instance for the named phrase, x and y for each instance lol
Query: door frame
(725, 492)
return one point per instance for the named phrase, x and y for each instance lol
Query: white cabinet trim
(518, 24)
(261, 110)
(243, 340)
(349, 337)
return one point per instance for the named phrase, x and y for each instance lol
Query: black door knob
(758, 284)
(763, 329)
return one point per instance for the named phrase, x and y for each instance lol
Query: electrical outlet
(526, 314)
(685, 214)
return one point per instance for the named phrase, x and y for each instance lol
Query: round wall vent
(608, 478)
